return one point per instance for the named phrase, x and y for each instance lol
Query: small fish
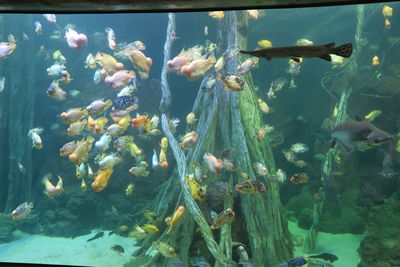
(96, 236)
(299, 261)
(118, 249)
(149, 228)
(111, 38)
(276, 86)
(304, 42)
(375, 61)
(165, 249)
(214, 164)
(191, 118)
(387, 12)
(295, 52)
(125, 102)
(218, 15)
(260, 169)
(38, 27)
(299, 148)
(231, 82)
(264, 43)
(372, 115)
(50, 18)
(299, 178)
(83, 185)
(176, 218)
(129, 189)
(21, 168)
(253, 13)
(325, 256)
(197, 191)
(154, 160)
(22, 211)
(264, 106)
(97, 76)
(75, 40)
(34, 134)
(225, 217)
(250, 187)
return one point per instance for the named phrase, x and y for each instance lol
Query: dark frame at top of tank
(125, 6)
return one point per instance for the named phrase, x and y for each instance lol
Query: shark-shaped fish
(296, 52)
(358, 134)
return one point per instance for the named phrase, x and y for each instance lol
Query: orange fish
(299, 178)
(176, 218)
(101, 180)
(50, 190)
(73, 115)
(214, 164)
(141, 62)
(140, 121)
(82, 148)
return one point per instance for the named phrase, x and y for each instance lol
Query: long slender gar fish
(296, 52)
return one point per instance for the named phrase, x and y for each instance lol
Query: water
(109, 198)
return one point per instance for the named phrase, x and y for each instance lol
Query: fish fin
(330, 45)
(333, 143)
(344, 50)
(326, 57)
(296, 59)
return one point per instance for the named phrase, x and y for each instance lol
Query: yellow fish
(264, 43)
(129, 189)
(123, 228)
(372, 115)
(164, 144)
(149, 228)
(176, 218)
(197, 191)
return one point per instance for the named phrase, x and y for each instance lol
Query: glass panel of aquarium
(217, 138)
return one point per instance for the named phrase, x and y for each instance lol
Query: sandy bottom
(344, 246)
(67, 251)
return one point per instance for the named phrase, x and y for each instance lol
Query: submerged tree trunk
(225, 119)
(16, 117)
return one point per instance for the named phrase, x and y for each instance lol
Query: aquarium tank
(247, 137)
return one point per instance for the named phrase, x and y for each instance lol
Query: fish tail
(344, 50)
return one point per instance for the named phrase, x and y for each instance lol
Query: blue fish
(124, 102)
(299, 261)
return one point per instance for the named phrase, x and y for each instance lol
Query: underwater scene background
(152, 140)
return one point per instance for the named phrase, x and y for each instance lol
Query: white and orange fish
(36, 139)
(111, 38)
(120, 78)
(214, 164)
(198, 67)
(73, 115)
(75, 40)
(50, 190)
